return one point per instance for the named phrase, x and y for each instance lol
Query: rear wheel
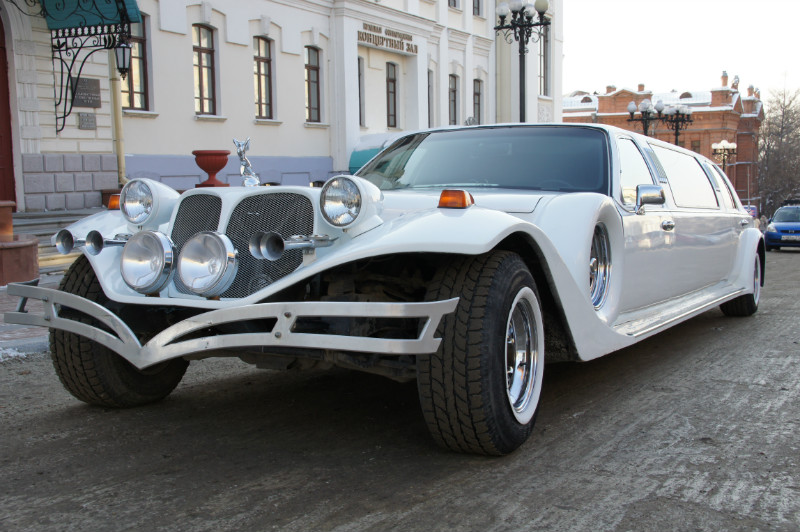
(746, 305)
(95, 374)
(480, 391)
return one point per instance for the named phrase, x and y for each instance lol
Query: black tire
(746, 305)
(464, 386)
(95, 374)
(769, 248)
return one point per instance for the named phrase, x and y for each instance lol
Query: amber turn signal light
(113, 202)
(455, 199)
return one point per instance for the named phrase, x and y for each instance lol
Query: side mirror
(648, 195)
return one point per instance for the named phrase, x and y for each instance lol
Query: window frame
(202, 92)
(391, 94)
(477, 8)
(545, 85)
(263, 78)
(452, 99)
(138, 42)
(477, 100)
(313, 86)
(361, 93)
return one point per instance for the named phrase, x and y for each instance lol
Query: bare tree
(779, 150)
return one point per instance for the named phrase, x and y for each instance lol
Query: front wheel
(480, 391)
(746, 305)
(95, 374)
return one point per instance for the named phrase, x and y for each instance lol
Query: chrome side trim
(166, 345)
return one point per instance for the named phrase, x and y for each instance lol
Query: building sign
(386, 38)
(86, 93)
(87, 121)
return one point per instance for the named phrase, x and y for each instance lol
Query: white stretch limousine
(463, 258)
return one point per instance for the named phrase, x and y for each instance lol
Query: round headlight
(208, 263)
(340, 201)
(136, 202)
(147, 262)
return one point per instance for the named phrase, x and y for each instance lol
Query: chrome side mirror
(648, 195)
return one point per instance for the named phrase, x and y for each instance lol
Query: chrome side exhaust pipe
(94, 242)
(271, 246)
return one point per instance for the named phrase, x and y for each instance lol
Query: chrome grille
(283, 213)
(195, 213)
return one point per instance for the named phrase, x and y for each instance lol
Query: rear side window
(633, 170)
(689, 183)
(725, 189)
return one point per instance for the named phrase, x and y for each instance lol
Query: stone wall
(56, 182)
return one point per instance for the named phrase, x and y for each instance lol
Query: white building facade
(305, 80)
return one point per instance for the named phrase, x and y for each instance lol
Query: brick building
(721, 113)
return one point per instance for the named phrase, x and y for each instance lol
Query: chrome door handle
(745, 222)
(667, 225)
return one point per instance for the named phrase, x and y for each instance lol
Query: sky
(681, 44)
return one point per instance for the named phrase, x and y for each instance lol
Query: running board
(666, 314)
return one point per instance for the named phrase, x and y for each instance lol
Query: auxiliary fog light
(148, 260)
(207, 264)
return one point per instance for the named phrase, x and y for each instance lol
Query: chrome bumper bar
(167, 344)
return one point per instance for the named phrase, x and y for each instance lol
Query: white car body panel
(658, 277)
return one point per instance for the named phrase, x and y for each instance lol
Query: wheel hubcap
(599, 266)
(522, 358)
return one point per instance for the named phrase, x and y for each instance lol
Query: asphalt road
(697, 428)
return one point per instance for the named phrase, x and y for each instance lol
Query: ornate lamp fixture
(724, 150)
(649, 113)
(677, 118)
(520, 26)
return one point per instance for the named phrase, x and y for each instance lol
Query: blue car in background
(784, 228)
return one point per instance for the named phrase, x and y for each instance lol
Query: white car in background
(463, 258)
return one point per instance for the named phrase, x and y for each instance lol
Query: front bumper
(168, 343)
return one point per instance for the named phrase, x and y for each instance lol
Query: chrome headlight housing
(340, 201)
(148, 260)
(147, 202)
(207, 264)
(136, 201)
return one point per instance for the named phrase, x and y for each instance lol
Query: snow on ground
(7, 353)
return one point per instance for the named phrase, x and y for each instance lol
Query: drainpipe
(116, 108)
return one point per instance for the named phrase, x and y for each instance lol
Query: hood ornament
(249, 177)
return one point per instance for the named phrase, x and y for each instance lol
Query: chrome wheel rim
(757, 281)
(523, 356)
(599, 266)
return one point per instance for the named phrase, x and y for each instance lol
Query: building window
(203, 46)
(361, 113)
(476, 7)
(544, 62)
(134, 87)
(696, 146)
(430, 98)
(452, 97)
(312, 85)
(477, 97)
(262, 77)
(391, 95)
(452, 3)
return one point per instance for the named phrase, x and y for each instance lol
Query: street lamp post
(648, 112)
(724, 150)
(677, 118)
(522, 28)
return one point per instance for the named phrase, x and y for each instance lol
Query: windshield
(566, 159)
(787, 215)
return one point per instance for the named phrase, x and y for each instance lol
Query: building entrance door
(6, 158)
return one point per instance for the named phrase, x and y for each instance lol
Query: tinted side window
(689, 183)
(725, 190)
(633, 170)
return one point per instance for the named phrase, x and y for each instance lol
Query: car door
(648, 239)
(704, 235)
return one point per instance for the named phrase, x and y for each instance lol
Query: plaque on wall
(87, 121)
(86, 93)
